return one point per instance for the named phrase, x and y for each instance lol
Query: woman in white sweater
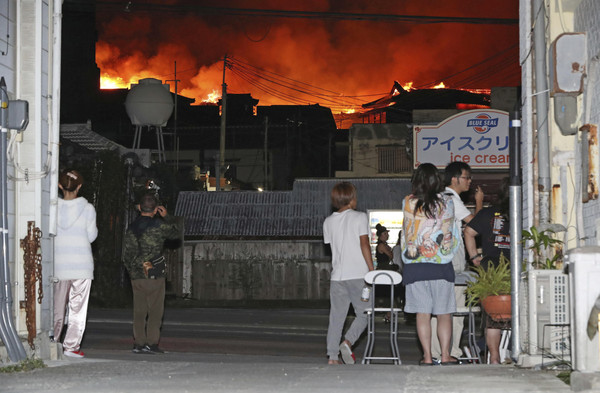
(73, 262)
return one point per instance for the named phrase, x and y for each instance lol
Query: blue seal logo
(482, 123)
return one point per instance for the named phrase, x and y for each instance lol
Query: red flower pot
(498, 307)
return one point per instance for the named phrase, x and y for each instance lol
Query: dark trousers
(148, 301)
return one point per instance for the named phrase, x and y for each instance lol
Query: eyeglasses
(466, 177)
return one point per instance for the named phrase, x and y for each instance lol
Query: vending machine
(391, 219)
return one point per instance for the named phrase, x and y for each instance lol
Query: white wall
(25, 65)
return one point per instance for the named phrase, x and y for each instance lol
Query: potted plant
(491, 288)
(547, 251)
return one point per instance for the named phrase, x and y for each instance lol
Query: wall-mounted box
(568, 57)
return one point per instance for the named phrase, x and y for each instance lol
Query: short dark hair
(342, 194)
(148, 203)
(455, 169)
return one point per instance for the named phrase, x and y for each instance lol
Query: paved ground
(192, 372)
(244, 350)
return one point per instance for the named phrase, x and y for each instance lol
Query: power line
(138, 6)
(481, 63)
(333, 93)
(301, 93)
(288, 89)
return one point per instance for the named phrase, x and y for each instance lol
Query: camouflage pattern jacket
(144, 241)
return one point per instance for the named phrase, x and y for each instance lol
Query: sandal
(453, 362)
(422, 363)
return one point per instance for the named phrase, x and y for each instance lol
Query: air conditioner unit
(544, 313)
(583, 265)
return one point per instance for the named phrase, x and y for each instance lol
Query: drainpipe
(8, 333)
(541, 87)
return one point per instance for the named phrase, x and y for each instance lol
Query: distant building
(267, 245)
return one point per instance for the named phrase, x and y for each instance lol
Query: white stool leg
(504, 345)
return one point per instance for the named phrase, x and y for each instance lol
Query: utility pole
(266, 153)
(175, 140)
(223, 122)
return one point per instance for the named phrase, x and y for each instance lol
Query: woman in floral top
(430, 239)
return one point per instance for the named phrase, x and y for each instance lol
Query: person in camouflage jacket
(144, 243)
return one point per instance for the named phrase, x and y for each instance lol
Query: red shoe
(74, 354)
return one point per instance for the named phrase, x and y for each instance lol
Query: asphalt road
(297, 333)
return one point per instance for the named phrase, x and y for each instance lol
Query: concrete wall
(364, 140)
(431, 116)
(257, 270)
(582, 219)
(586, 19)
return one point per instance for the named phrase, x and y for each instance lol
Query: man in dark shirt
(492, 225)
(143, 247)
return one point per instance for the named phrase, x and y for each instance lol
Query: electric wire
(333, 93)
(293, 85)
(474, 66)
(274, 88)
(150, 7)
(298, 92)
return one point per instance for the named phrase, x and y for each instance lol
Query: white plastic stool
(382, 278)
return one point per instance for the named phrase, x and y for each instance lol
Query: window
(393, 159)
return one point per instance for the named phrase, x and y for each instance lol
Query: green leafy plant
(542, 244)
(25, 365)
(493, 281)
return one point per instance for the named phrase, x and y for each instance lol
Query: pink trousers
(74, 296)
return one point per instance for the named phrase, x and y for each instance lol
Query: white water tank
(149, 103)
(583, 265)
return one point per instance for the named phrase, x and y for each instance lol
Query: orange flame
(213, 97)
(108, 82)
(440, 86)
(408, 86)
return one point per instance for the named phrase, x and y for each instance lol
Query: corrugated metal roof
(289, 214)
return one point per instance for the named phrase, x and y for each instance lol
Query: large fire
(340, 64)
(106, 82)
(213, 97)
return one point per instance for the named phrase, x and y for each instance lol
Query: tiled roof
(83, 135)
(279, 214)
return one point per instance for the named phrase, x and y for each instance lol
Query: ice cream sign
(477, 137)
